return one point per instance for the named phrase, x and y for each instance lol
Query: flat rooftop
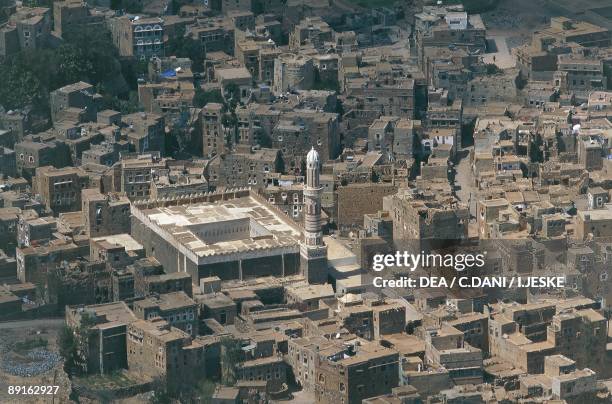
(124, 240)
(166, 301)
(309, 292)
(368, 351)
(598, 214)
(215, 300)
(161, 330)
(116, 313)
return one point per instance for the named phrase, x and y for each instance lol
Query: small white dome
(312, 157)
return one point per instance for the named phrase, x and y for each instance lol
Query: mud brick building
(290, 199)
(243, 168)
(136, 37)
(136, 175)
(306, 297)
(146, 132)
(356, 200)
(122, 285)
(103, 327)
(8, 267)
(33, 263)
(105, 214)
(448, 26)
(9, 223)
(313, 31)
(178, 309)
(116, 251)
(60, 188)
(418, 219)
(217, 306)
(78, 96)
(213, 130)
(298, 131)
(167, 283)
(32, 154)
(35, 230)
(369, 370)
(8, 164)
(158, 350)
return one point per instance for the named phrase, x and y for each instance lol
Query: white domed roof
(312, 157)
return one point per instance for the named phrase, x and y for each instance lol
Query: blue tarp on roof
(169, 73)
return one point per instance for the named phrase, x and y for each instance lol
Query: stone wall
(355, 200)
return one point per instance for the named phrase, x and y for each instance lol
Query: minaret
(313, 253)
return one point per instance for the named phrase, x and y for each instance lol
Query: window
(99, 215)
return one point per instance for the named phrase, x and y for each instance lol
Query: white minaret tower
(313, 253)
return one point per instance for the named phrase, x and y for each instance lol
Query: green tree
(257, 7)
(339, 108)
(231, 357)
(125, 105)
(21, 87)
(184, 46)
(536, 154)
(520, 81)
(202, 97)
(263, 138)
(172, 141)
(134, 70)
(374, 177)
(328, 84)
(74, 340)
(205, 389)
(279, 166)
(231, 96)
(230, 122)
(608, 74)
(131, 6)
(160, 393)
(72, 64)
(68, 348)
(492, 69)
(201, 392)
(87, 54)
(97, 47)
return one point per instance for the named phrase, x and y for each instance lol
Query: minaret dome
(312, 158)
